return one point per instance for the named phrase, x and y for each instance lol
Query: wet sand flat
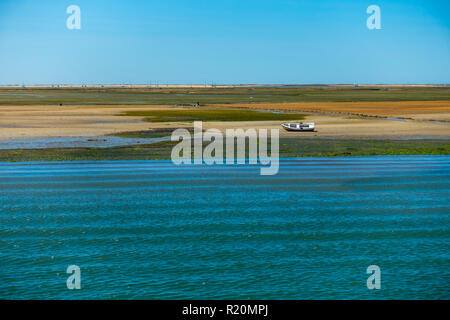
(332, 120)
(343, 127)
(39, 122)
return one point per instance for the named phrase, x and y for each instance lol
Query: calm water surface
(152, 230)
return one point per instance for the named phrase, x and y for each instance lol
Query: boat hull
(298, 127)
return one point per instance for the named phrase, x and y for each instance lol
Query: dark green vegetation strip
(288, 148)
(210, 115)
(155, 151)
(152, 133)
(180, 96)
(354, 147)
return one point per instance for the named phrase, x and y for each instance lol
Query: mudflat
(397, 119)
(438, 110)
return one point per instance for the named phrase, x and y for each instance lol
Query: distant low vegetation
(229, 95)
(189, 115)
(151, 133)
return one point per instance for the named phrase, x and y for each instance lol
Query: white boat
(299, 126)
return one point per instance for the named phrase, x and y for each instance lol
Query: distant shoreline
(209, 85)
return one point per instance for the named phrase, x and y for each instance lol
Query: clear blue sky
(225, 41)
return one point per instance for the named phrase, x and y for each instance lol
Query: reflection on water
(395, 119)
(149, 229)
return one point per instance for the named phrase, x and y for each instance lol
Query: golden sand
(332, 120)
(417, 110)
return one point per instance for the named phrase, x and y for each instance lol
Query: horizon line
(214, 85)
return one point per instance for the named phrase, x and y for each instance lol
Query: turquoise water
(152, 230)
